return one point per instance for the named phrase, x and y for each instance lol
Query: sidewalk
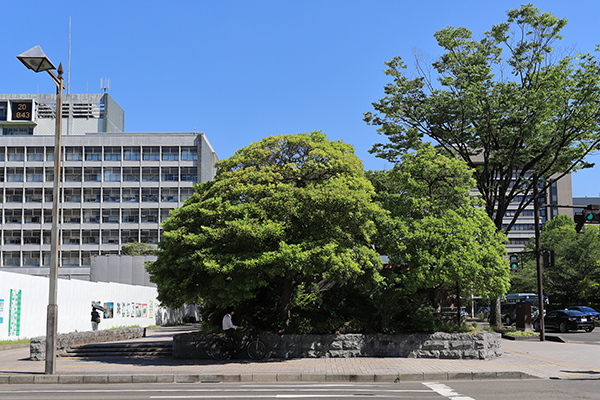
(521, 359)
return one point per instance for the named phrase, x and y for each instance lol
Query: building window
(47, 237)
(110, 216)
(48, 215)
(14, 195)
(72, 174)
(151, 153)
(112, 195)
(112, 154)
(150, 195)
(170, 153)
(169, 195)
(73, 153)
(149, 237)
(150, 215)
(12, 237)
(24, 131)
(70, 258)
(33, 195)
(2, 155)
(189, 153)
(12, 216)
(129, 236)
(72, 195)
(32, 237)
(164, 214)
(131, 216)
(70, 237)
(48, 198)
(91, 195)
(112, 174)
(15, 153)
(3, 110)
(71, 216)
(90, 237)
(170, 174)
(91, 216)
(131, 195)
(110, 236)
(12, 259)
(131, 153)
(189, 174)
(131, 174)
(32, 216)
(186, 193)
(150, 174)
(35, 154)
(49, 153)
(35, 174)
(14, 174)
(93, 154)
(31, 258)
(91, 174)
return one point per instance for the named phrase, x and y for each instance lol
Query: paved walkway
(521, 359)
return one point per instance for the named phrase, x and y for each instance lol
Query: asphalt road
(577, 337)
(463, 390)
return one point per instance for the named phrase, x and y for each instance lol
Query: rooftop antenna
(105, 84)
(69, 66)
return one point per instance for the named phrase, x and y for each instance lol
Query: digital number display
(21, 110)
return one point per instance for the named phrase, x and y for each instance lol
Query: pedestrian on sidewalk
(95, 319)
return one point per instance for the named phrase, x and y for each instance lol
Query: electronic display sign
(21, 110)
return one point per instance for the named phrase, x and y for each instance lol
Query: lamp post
(36, 60)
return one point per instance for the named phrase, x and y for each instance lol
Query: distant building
(116, 187)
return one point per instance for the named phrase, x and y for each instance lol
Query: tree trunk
(286, 299)
(458, 302)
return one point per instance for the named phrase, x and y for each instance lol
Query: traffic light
(514, 262)
(591, 217)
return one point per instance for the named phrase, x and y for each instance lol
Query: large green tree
(575, 275)
(438, 239)
(282, 216)
(509, 104)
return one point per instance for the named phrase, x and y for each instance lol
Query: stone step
(120, 350)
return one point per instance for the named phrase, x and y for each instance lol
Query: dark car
(587, 311)
(565, 320)
(509, 313)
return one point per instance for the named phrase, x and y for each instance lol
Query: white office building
(116, 187)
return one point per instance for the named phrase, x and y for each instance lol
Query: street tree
(438, 239)
(281, 217)
(510, 104)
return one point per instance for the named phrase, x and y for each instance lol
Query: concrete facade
(116, 187)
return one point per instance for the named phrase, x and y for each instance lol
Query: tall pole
(52, 316)
(538, 255)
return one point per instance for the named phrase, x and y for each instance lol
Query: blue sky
(243, 70)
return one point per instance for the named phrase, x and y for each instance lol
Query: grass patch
(19, 341)
(511, 331)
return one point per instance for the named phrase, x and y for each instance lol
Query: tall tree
(508, 104)
(439, 239)
(281, 216)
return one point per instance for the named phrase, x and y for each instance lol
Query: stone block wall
(37, 346)
(481, 346)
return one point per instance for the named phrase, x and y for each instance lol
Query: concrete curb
(27, 379)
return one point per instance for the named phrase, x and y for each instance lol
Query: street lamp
(36, 60)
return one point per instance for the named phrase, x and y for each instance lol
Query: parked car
(587, 310)
(509, 313)
(565, 320)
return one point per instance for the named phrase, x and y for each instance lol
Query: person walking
(95, 319)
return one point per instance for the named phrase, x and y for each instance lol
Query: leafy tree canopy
(438, 235)
(508, 104)
(136, 248)
(282, 217)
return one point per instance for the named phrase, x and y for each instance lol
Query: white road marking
(446, 391)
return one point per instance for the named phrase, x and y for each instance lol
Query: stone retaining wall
(37, 346)
(481, 346)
